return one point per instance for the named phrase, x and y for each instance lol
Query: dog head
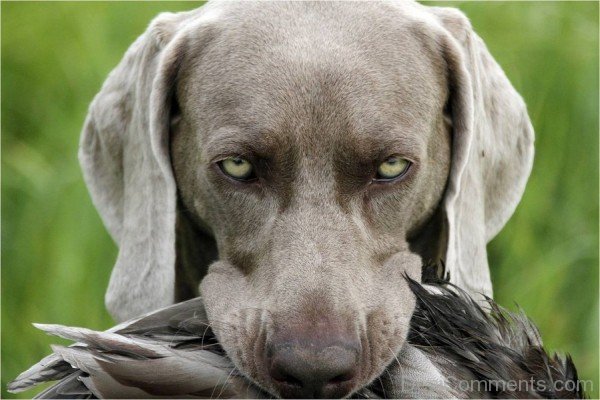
(300, 159)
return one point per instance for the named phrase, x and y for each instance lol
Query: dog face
(299, 159)
(312, 173)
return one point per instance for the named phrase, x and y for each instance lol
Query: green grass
(57, 256)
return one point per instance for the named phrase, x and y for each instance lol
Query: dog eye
(393, 167)
(237, 168)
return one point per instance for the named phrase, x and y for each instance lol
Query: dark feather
(496, 347)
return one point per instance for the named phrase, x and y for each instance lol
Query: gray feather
(68, 388)
(50, 368)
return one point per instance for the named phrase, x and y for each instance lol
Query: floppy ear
(492, 151)
(124, 154)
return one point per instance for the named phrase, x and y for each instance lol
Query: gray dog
(292, 162)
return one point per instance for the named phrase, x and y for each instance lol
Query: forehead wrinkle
(371, 146)
(235, 140)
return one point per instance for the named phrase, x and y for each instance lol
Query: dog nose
(313, 370)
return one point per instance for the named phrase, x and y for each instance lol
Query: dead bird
(455, 349)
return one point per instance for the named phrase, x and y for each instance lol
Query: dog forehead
(312, 67)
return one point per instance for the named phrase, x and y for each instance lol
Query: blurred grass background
(57, 256)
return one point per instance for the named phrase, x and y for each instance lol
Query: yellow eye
(392, 168)
(237, 168)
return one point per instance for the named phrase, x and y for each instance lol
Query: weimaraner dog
(292, 163)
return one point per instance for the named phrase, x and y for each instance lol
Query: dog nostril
(341, 378)
(284, 378)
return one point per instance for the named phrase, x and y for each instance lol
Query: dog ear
(124, 154)
(492, 150)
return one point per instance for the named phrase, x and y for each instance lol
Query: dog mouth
(352, 385)
(296, 366)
